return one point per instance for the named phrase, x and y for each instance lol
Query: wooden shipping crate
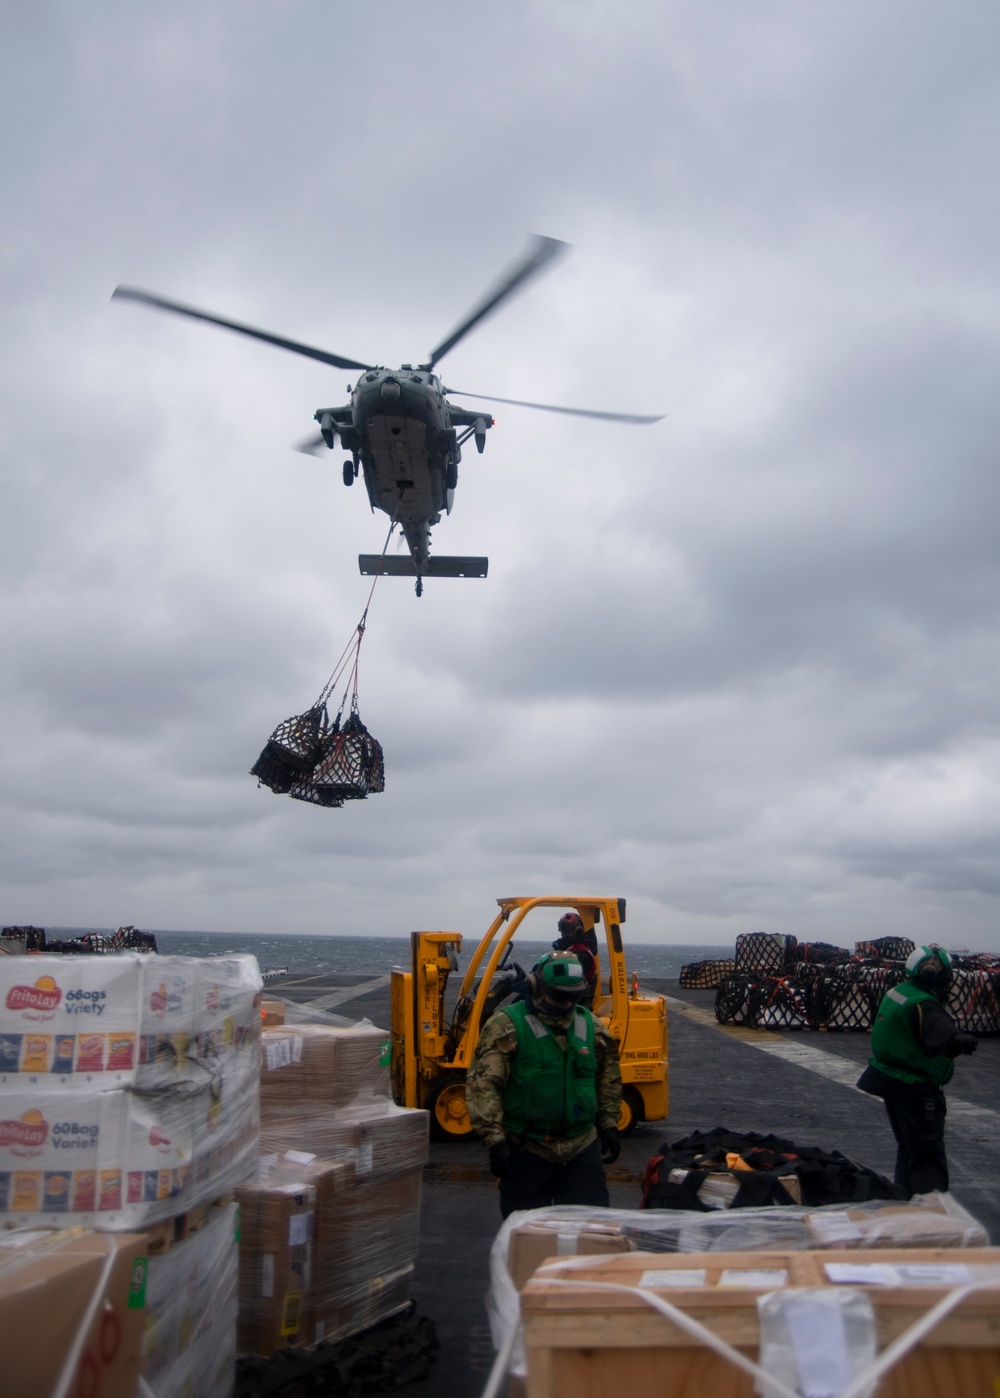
(601, 1343)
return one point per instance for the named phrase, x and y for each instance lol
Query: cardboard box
(369, 1245)
(122, 1158)
(189, 1338)
(605, 1343)
(531, 1244)
(276, 1231)
(47, 1282)
(103, 1022)
(926, 1220)
(322, 1065)
(272, 1013)
(378, 1138)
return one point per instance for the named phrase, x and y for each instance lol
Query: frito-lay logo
(43, 995)
(30, 1132)
(158, 1138)
(158, 1000)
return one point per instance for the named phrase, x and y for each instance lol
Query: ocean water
(310, 956)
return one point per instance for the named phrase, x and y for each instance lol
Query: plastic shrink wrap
(129, 1086)
(925, 1221)
(329, 1128)
(189, 1341)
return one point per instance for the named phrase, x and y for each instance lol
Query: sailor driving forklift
(544, 1092)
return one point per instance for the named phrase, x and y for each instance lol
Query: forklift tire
(449, 1114)
(632, 1111)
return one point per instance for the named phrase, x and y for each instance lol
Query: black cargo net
(705, 975)
(324, 763)
(888, 948)
(764, 952)
(844, 995)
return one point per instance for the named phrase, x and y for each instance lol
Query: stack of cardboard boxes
(330, 1226)
(128, 1104)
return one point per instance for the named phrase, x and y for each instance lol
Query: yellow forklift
(432, 1050)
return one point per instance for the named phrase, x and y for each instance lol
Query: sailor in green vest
(544, 1091)
(915, 1043)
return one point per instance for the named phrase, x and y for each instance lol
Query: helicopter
(403, 434)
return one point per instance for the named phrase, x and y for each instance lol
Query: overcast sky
(741, 667)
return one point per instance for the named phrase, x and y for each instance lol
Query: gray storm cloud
(740, 666)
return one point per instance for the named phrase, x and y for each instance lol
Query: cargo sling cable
(312, 760)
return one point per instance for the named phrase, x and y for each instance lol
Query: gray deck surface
(795, 1083)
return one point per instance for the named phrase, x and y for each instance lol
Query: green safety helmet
(917, 961)
(930, 968)
(561, 971)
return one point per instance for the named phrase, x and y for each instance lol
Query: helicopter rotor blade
(310, 446)
(636, 418)
(542, 251)
(146, 298)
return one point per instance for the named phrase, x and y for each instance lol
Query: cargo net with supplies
(325, 764)
(777, 982)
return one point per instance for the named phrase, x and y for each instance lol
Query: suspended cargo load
(325, 764)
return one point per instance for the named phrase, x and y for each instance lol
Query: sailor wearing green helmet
(914, 1044)
(544, 1092)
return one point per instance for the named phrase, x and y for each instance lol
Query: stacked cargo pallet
(580, 1282)
(129, 1090)
(778, 983)
(330, 1225)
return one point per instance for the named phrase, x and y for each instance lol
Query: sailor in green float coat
(915, 1043)
(544, 1092)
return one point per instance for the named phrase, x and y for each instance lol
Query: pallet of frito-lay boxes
(778, 1323)
(129, 1086)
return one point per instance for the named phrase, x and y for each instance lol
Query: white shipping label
(933, 1274)
(267, 1274)
(762, 1277)
(833, 1228)
(673, 1277)
(860, 1273)
(365, 1158)
(297, 1049)
(300, 1229)
(278, 1053)
(566, 1244)
(906, 1273)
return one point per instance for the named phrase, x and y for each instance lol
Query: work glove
(611, 1144)
(965, 1043)
(500, 1159)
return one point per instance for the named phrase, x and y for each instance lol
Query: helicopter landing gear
(350, 471)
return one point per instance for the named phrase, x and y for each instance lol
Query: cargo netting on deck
(846, 997)
(89, 944)
(888, 948)
(764, 951)
(324, 763)
(705, 975)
